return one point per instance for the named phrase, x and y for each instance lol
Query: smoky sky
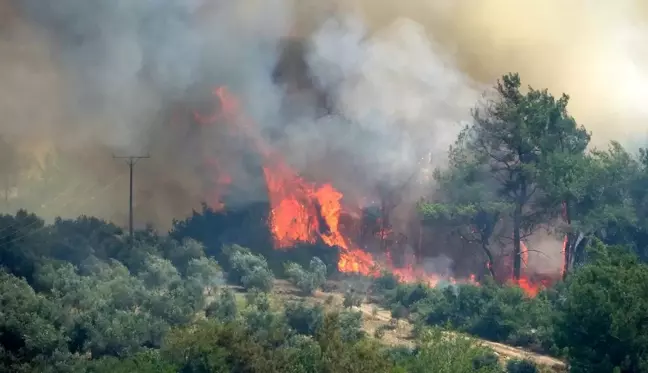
(82, 80)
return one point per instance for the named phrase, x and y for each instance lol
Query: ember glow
(305, 212)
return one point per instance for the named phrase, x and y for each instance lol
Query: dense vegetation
(78, 296)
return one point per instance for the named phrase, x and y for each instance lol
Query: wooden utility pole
(131, 161)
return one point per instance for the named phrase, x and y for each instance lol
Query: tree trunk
(489, 256)
(517, 226)
(573, 245)
(568, 242)
(517, 253)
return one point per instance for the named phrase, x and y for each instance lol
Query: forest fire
(304, 212)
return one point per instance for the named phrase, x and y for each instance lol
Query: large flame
(300, 211)
(304, 212)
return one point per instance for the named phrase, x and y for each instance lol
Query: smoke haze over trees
(85, 80)
(463, 166)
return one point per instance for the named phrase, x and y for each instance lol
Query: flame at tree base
(302, 212)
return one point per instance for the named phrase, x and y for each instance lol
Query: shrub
(488, 360)
(351, 299)
(258, 278)
(498, 313)
(249, 270)
(603, 321)
(304, 319)
(224, 308)
(206, 272)
(440, 354)
(307, 281)
(351, 325)
(521, 366)
(399, 311)
(379, 333)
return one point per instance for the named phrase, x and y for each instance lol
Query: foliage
(440, 353)
(245, 225)
(249, 270)
(307, 281)
(76, 296)
(351, 299)
(304, 319)
(521, 366)
(501, 314)
(603, 319)
(205, 272)
(89, 294)
(224, 307)
(498, 163)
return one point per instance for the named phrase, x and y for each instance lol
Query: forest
(78, 295)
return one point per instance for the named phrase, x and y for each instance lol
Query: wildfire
(304, 212)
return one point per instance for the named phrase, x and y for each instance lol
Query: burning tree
(499, 163)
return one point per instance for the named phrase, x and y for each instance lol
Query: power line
(131, 161)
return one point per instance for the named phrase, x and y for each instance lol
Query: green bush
(351, 299)
(498, 313)
(488, 361)
(249, 270)
(521, 366)
(307, 281)
(224, 307)
(603, 323)
(303, 318)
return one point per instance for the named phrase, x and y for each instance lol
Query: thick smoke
(596, 51)
(88, 79)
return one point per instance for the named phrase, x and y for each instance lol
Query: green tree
(30, 327)
(249, 270)
(599, 195)
(224, 307)
(205, 272)
(307, 280)
(505, 150)
(603, 320)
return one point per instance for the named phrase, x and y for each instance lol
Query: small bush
(399, 311)
(351, 326)
(488, 360)
(304, 319)
(249, 270)
(307, 281)
(379, 333)
(521, 366)
(224, 307)
(498, 313)
(351, 299)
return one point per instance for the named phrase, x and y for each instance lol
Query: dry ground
(375, 317)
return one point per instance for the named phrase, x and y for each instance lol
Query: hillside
(376, 317)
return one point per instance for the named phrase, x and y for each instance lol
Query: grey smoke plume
(89, 78)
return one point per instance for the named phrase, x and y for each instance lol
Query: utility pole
(131, 161)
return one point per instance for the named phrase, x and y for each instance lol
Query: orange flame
(300, 212)
(529, 288)
(304, 212)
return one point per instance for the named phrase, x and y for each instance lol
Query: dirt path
(375, 317)
(405, 328)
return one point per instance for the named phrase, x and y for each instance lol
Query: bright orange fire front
(303, 212)
(300, 211)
